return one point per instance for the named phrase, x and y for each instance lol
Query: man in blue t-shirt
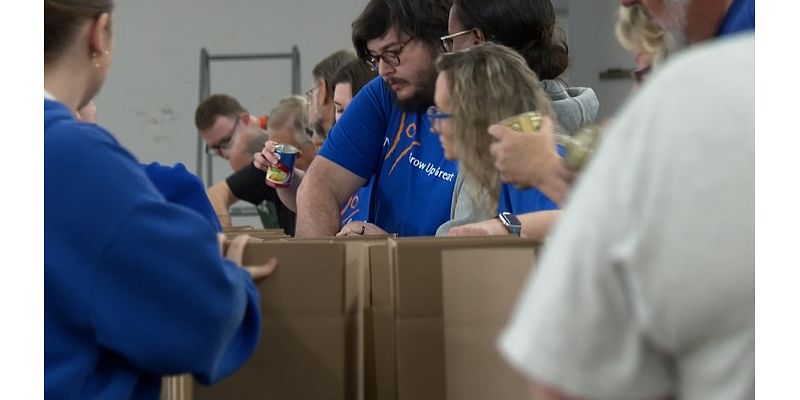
(385, 132)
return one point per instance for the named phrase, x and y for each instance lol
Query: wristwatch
(511, 222)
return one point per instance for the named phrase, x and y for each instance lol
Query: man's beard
(675, 26)
(423, 92)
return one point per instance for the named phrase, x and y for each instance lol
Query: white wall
(149, 99)
(594, 48)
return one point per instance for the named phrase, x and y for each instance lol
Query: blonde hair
(487, 83)
(637, 31)
(292, 109)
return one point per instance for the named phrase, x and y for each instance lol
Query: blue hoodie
(135, 287)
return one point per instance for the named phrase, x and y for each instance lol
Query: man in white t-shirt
(646, 288)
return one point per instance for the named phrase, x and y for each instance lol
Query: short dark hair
(214, 106)
(527, 26)
(61, 21)
(357, 73)
(326, 69)
(425, 20)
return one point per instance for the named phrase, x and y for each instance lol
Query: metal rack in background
(205, 91)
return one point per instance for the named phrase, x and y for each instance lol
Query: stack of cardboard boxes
(379, 318)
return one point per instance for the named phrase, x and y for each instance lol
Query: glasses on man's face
(447, 41)
(391, 57)
(310, 93)
(225, 143)
(435, 114)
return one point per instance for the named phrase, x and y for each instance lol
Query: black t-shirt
(248, 184)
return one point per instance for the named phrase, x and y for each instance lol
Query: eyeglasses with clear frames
(447, 41)
(391, 57)
(225, 143)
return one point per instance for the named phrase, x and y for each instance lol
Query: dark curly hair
(527, 26)
(425, 20)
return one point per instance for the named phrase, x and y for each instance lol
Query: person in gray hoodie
(529, 27)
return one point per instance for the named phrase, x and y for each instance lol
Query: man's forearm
(221, 199)
(317, 209)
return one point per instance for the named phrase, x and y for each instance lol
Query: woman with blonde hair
(118, 257)
(476, 88)
(639, 33)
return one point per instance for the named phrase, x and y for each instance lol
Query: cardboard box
(408, 321)
(479, 290)
(311, 313)
(266, 234)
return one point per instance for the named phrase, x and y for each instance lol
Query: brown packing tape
(479, 290)
(307, 316)
(419, 348)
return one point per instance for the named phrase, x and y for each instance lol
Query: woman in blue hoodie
(135, 287)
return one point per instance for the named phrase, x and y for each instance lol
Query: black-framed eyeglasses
(447, 41)
(225, 143)
(391, 57)
(434, 114)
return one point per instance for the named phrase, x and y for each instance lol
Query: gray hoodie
(574, 107)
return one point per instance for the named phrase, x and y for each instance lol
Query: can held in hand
(579, 147)
(280, 175)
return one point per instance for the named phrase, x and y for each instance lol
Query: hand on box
(490, 227)
(267, 156)
(360, 228)
(235, 252)
(525, 158)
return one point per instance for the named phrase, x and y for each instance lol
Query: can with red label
(280, 175)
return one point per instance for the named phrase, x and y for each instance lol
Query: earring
(94, 58)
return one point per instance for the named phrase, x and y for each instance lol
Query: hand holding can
(279, 174)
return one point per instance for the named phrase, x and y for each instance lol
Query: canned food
(280, 175)
(579, 148)
(526, 122)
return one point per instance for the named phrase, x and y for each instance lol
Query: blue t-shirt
(523, 201)
(741, 17)
(527, 200)
(357, 206)
(413, 182)
(135, 286)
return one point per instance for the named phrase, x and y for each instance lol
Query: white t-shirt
(646, 288)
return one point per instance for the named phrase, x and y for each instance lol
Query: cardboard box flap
(480, 288)
(312, 338)
(418, 274)
(309, 280)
